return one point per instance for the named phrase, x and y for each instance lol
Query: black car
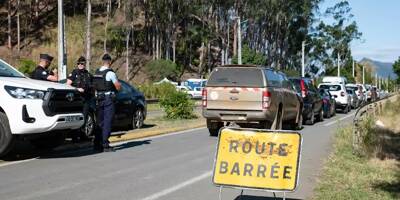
(130, 110)
(328, 103)
(312, 101)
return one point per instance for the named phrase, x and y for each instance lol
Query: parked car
(354, 101)
(196, 93)
(250, 95)
(368, 92)
(312, 108)
(35, 110)
(329, 103)
(338, 91)
(130, 110)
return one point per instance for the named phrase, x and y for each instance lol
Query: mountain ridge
(383, 69)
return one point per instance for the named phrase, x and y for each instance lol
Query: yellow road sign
(257, 159)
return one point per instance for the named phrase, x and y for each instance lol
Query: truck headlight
(24, 93)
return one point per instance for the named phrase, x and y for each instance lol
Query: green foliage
(177, 105)
(156, 91)
(396, 69)
(250, 56)
(27, 66)
(292, 73)
(159, 69)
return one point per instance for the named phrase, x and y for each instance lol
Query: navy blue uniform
(105, 95)
(40, 73)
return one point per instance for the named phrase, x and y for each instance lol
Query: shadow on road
(248, 197)
(88, 150)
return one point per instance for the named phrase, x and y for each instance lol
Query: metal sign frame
(255, 188)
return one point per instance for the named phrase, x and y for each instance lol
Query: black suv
(312, 106)
(130, 110)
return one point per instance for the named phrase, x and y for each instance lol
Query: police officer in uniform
(106, 84)
(41, 72)
(82, 80)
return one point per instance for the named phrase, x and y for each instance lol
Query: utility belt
(101, 96)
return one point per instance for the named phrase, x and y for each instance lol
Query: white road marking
(340, 119)
(17, 162)
(179, 186)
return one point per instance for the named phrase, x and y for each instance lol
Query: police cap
(106, 57)
(47, 57)
(81, 60)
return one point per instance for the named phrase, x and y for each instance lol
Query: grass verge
(159, 126)
(347, 176)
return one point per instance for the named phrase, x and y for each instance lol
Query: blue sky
(379, 21)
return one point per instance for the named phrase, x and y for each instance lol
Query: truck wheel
(321, 115)
(213, 127)
(87, 129)
(6, 138)
(48, 142)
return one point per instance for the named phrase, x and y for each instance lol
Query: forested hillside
(193, 35)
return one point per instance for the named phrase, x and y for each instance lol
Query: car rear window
(331, 87)
(296, 83)
(242, 77)
(350, 91)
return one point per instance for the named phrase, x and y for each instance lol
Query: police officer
(82, 80)
(106, 84)
(41, 72)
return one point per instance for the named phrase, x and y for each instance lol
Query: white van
(32, 108)
(334, 79)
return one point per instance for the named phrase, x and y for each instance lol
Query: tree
(396, 69)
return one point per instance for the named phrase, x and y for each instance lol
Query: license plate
(72, 118)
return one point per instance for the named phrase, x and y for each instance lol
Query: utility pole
(353, 67)
(239, 43)
(376, 79)
(303, 45)
(363, 74)
(227, 49)
(338, 64)
(62, 61)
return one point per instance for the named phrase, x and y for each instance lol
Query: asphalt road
(177, 166)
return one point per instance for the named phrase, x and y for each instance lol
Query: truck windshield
(236, 77)
(7, 71)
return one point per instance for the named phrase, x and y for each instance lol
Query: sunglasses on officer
(81, 63)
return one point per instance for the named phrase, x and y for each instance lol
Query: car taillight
(266, 99)
(342, 94)
(303, 89)
(204, 97)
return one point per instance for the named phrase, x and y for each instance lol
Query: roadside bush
(159, 69)
(177, 105)
(27, 66)
(159, 91)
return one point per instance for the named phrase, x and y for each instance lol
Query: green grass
(347, 176)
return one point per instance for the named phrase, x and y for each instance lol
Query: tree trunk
(88, 34)
(106, 25)
(174, 50)
(201, 57)
(9, 44)
(18, 28)
(127, 55)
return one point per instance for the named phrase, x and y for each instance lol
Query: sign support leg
(241, 194)
(220, 193)
(284, 195)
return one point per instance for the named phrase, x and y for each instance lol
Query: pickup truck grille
(62, 102)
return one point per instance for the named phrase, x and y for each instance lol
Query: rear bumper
(238, 116)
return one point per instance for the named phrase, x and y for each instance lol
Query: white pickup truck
(35, 110)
